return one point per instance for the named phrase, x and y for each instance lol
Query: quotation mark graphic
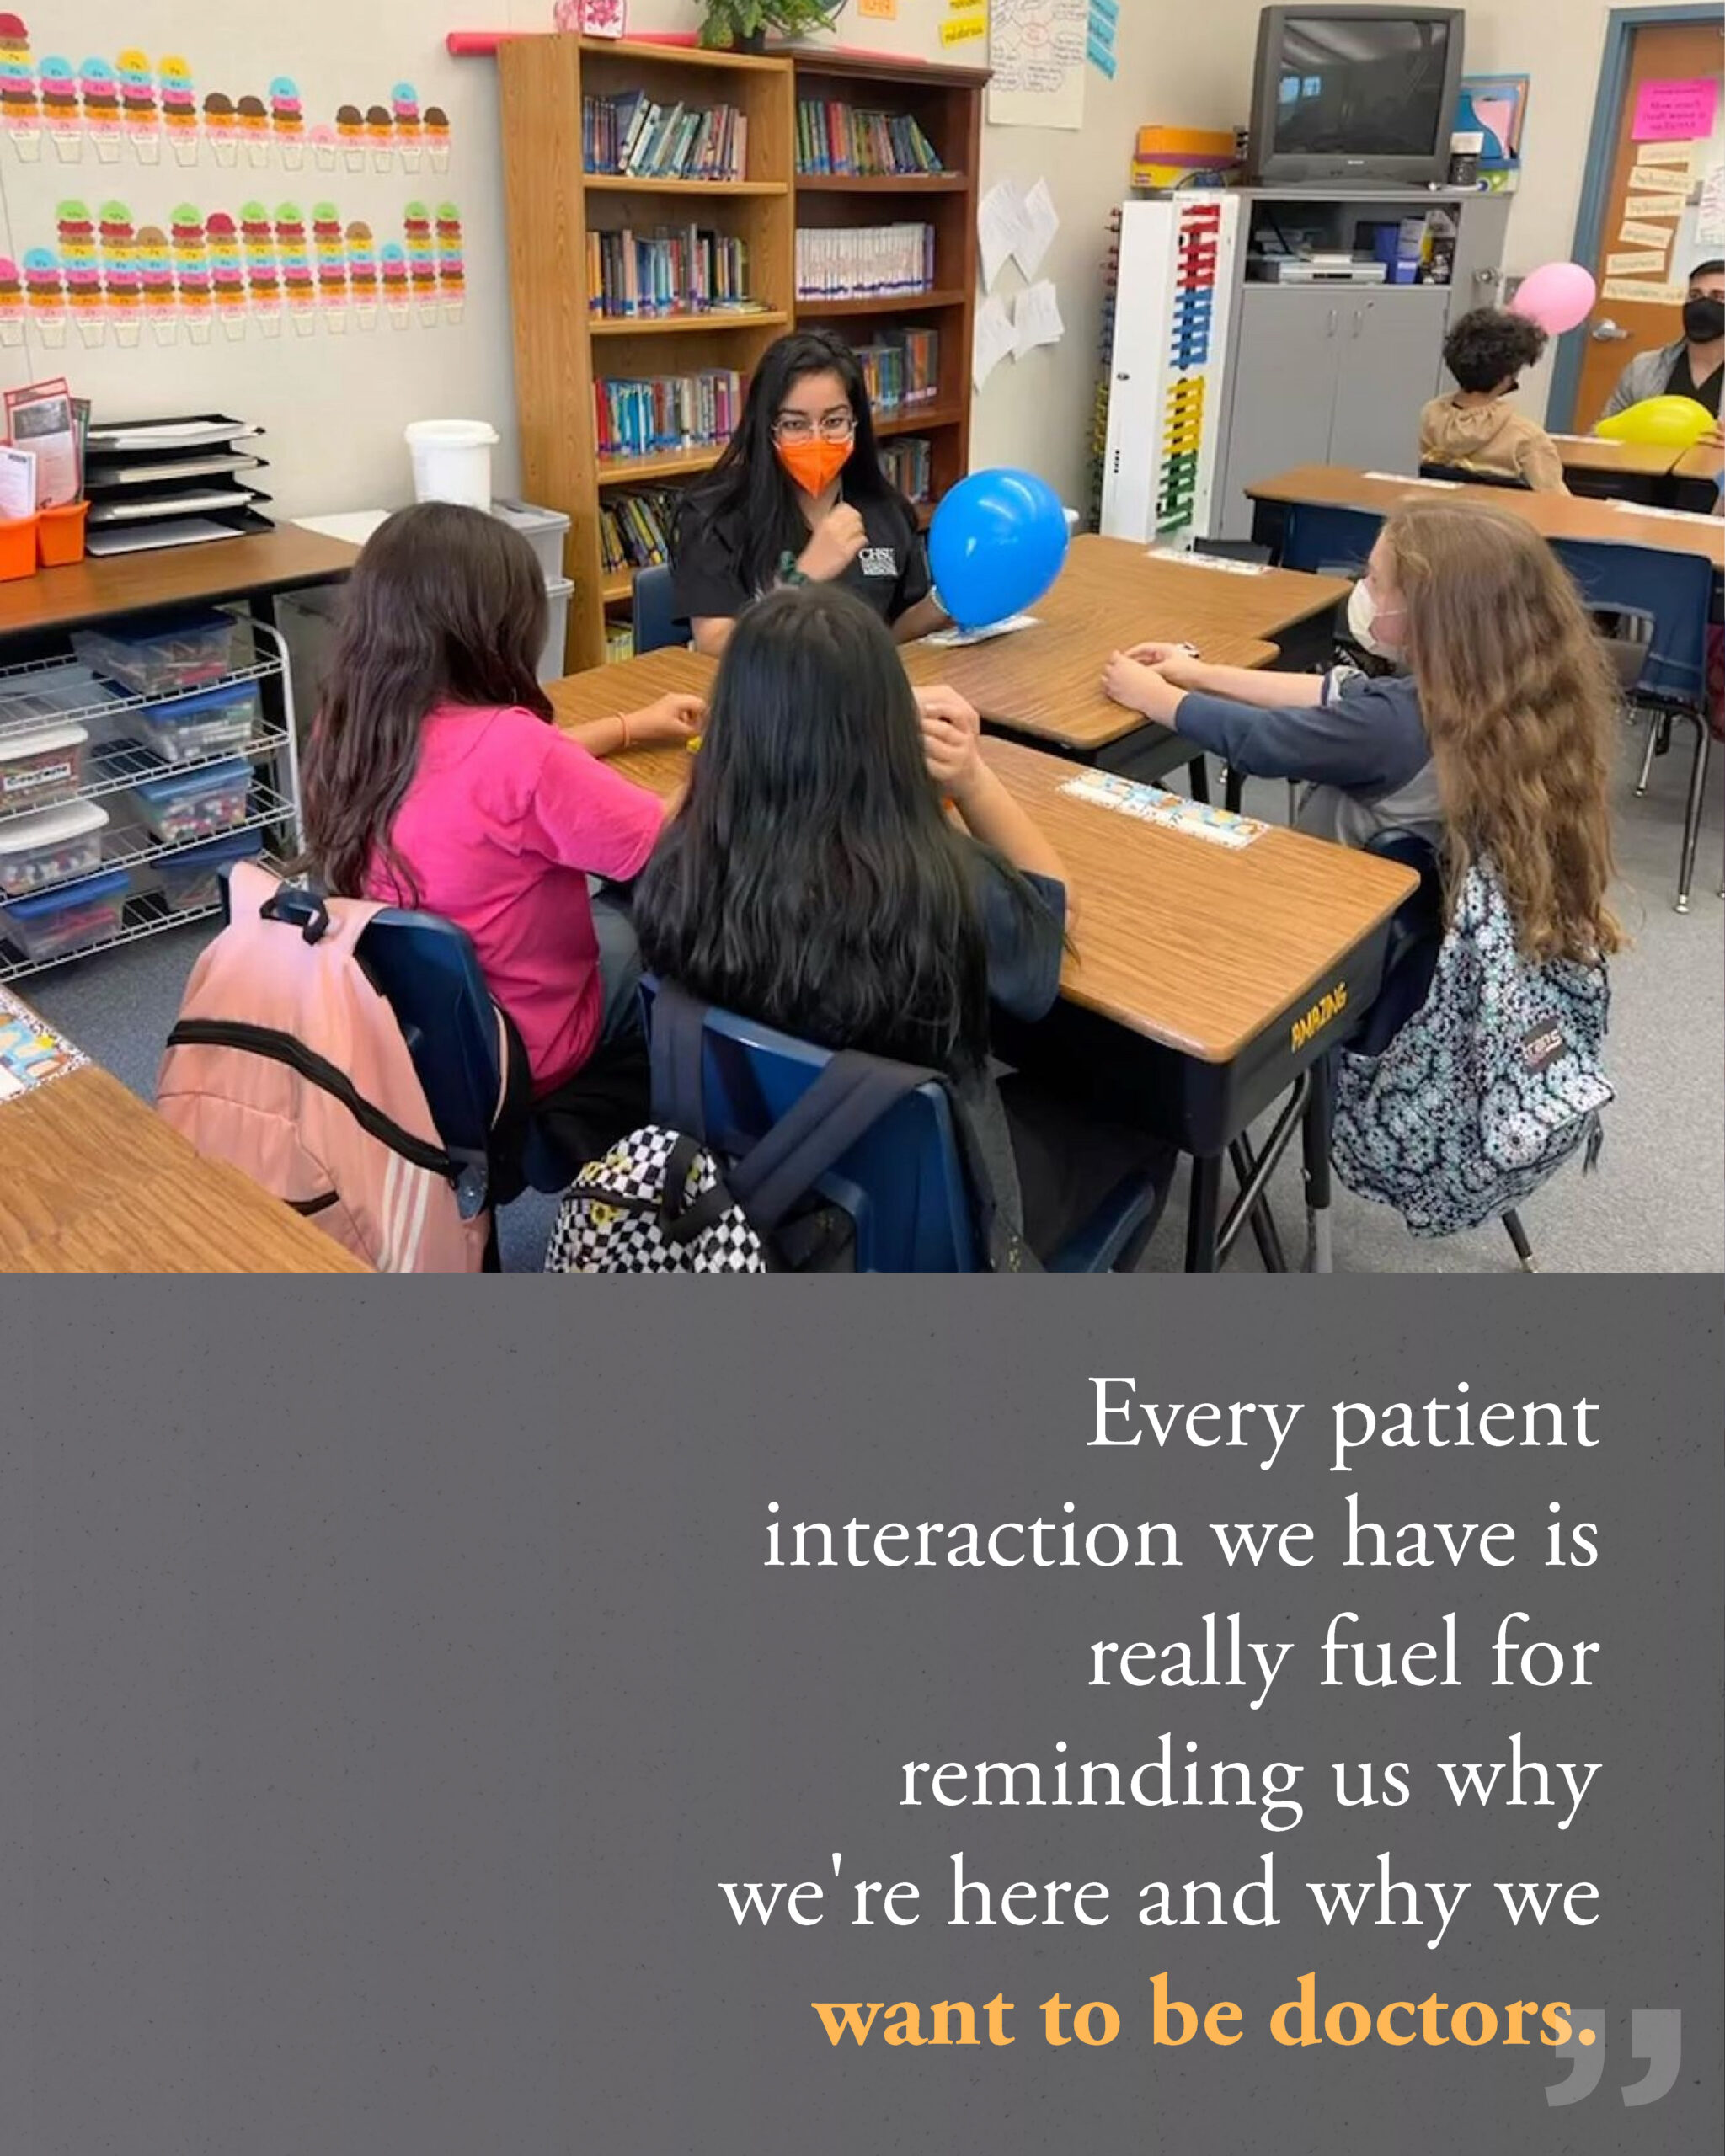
(1655, 2034)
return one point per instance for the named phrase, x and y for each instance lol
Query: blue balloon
(995, 545)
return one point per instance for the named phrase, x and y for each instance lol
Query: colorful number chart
(1171, 263)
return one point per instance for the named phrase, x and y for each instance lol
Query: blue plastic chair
(1675, 592)
(903, 1183)
(1321, 538)
(656, 624)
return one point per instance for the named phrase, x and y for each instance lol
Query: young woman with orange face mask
(799, 497)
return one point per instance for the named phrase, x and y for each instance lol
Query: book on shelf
(631, 136)
(619, 642)
(864, 261)
(908, 466)
(834, 138)
(901, 369)
(687, 270)
(635, 530)
(645, 416)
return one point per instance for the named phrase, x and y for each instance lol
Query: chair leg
(1233, 788)
(1198, 777)
(1518, 1235)
(1647, 760)
(1692, 814)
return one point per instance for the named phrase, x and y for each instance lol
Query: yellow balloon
(1668, 422)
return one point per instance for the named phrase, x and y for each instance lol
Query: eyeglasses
(795, 426)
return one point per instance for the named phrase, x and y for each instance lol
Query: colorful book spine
(632, 137)
(651, 415)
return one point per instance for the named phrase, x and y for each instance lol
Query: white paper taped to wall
(1654, 205)
(1038, 318)
(992, 341)
(1651, 264)
(999, 228)
(1633, 235)
(1643, 294)
(1036, 49)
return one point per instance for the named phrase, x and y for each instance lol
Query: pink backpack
(287, 1064)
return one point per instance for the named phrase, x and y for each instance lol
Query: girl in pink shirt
(437, 780)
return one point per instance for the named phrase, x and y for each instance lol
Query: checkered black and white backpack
(660, 1201)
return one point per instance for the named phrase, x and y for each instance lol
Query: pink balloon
(1558, 297)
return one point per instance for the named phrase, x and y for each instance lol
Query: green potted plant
(741, 25)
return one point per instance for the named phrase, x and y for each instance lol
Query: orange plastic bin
(17, 547)
(60, 535)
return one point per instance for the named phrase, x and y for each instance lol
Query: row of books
(634, 136)
(907, 465)
(635, 529)
(902, 369)
(687, 271)
(858, 262)
(643, 417)
(619, 642)
(833, 137)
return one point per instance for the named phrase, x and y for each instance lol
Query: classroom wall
(334, 407)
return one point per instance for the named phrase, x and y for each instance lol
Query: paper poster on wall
(1037, 320)
(999, 228)
(1037, 51)
(1653, 178)
(966, 24)
(1099, 40)
(1630, 234)
(1643, 206)
(1675, 111)
(107, 278)
(1710, 218)
(1039, 221)
(1643, 295)
(992, 341)
(882, 11)
(1649, 264)
(127, 106)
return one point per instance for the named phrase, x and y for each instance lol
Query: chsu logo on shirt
(1330, 1004)
(879, 560)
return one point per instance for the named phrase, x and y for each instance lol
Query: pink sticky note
(1674, 111)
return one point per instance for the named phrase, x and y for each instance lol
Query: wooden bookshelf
(561, 348)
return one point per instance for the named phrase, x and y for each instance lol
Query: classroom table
(104, 585)
(1557, 516)
(1203, 983)
(1600, 457)
(1704, 464)
(1044, 684)
(93, 1181)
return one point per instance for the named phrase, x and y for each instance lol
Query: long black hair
(445, 606)
(810, 879)
(749, 495)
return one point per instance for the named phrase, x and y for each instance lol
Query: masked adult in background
(1694, 365)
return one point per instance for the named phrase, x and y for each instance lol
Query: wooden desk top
(1047, 680)
(172, 576)
(1194, 946)
(1700, 464)
(92, 1181)
(1557, 516)
(1630, 460)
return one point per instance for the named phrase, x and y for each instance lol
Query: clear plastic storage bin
(215, 723)
(196, 804)
(49, 845)
(191, 881)
(159, 657)
(37, 769)
(57, 923)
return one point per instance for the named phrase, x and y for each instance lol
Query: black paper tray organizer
(173, 481)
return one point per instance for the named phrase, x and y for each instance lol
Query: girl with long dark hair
(799, 497)
(435, 779)
(812, 879)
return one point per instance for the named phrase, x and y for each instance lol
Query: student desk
(1044, 684)
(1194, 967)
(1557, 516)
(1705, 465)
(1619, 459)
(92, 1181)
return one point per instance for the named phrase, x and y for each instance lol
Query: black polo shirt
(1681, 382)
(890, 574)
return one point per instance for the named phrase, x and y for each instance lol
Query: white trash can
(453, 461)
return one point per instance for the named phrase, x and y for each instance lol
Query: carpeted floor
(1656, 1204)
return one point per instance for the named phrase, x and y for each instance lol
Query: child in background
(1475, 429)
(811, 880)
(437, 780)
(1496, 741)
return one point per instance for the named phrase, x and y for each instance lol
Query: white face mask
(1363, 620)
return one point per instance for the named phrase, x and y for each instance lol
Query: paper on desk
(1402, 479)
(993, 340)
(956, 639)
(1150, 804)
(1671, 516)
(1000, 227)
(1207, 562)
(1039, 221)
(1038, 321)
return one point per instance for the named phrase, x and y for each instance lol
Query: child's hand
(949, 750)
(1174, 662)
(667, 722)
(939, 701)
(1139, 687)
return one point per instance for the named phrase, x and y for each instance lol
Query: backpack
(288, 1064)
(1488, 1088)
(662, 1201)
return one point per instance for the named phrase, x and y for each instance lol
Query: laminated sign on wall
(1037, 49)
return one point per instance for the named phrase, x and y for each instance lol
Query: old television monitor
(1351, 97)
